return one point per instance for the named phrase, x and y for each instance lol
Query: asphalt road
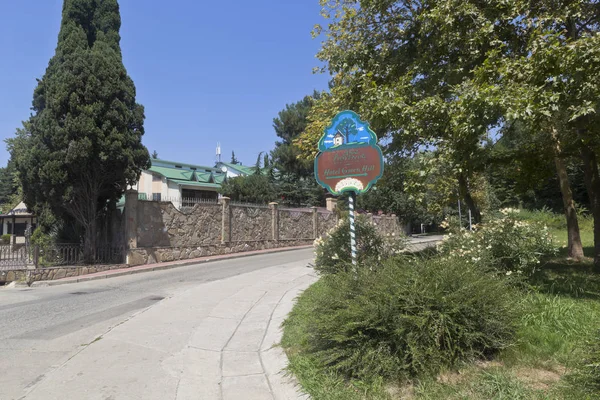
(42, 328)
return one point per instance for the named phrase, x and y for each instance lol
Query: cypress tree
(82, 145)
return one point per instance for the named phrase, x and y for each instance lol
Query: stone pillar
(331, 203)
(394, 224)
(370, 218)
(274, 221)
(315, 216)
(226, 221)
(131, 207)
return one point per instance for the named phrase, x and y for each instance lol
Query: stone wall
(158, 232)
(50, 274)
(160, 224)
(387, 224)
(326, 221)
(296, 224)
(152, 255)
(250, 223)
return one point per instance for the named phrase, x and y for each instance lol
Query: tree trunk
(466, 194)
(592, 182)
(574, 238)
(89, 243)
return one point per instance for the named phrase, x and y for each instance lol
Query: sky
(205, 71)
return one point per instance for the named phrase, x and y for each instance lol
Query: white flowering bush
(507, 244)
(333, 252)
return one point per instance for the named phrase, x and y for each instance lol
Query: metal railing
(182, 202)
(74, 254)
(12, 257)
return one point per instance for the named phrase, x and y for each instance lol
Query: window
(19, 229)
(155, 196)
(156, 178)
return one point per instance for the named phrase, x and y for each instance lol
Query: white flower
(509, 273)
(335, 257)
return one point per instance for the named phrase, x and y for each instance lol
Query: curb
(159, 267)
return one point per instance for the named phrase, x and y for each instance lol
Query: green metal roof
(201, 168)
(203, 177)
(173, 173)
(200, 184)
(242, 168)
(219, 179)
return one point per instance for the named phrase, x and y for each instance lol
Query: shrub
(5, 239)
(46, 243)
(333, 253)
(506, 244)
(409, 317)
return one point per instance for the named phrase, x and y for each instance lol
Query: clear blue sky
(206, 71)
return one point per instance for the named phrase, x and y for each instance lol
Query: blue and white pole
(351, 201)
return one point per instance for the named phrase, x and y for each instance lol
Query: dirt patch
(539, 379)
(488, 364)
(451, 378)
(406, 392)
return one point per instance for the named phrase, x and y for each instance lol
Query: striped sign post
(351, 201)
(349, 161)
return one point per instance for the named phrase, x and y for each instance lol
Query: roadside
(416, 243)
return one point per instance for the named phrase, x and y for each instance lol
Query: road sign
(349, 158)
(349, 161)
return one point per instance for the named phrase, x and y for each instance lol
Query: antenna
(218, 151)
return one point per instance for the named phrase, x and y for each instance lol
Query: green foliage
(408, 318)
(5, 239)
(505, 244)
(256, 188)
(82, 146)
(587, 374)
(333, 253)
(154, 155)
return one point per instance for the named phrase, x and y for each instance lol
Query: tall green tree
(289, 124)
(82, 145)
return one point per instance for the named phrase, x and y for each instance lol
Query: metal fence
(180, 202)
(73, 254)
(14, 257)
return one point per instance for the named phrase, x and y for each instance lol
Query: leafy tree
(348, 128)
(154, 155)
(289, 125)
(255, 188)
(552, 87)
(9, 187)
(82, 146)
(407, 68)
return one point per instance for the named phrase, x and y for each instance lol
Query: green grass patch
(555, 353)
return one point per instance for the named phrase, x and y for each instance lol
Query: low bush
(333, 253)
(506, 244)
(409, 317)
(5, 239)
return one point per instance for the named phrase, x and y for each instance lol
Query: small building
(16, 222)
(179, 183)
(338, 139)
(234, 170)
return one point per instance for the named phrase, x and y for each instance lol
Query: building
(180, 183)
(338, 139)
(16, 222)
(234, 170)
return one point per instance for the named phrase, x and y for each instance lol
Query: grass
(560, 317)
